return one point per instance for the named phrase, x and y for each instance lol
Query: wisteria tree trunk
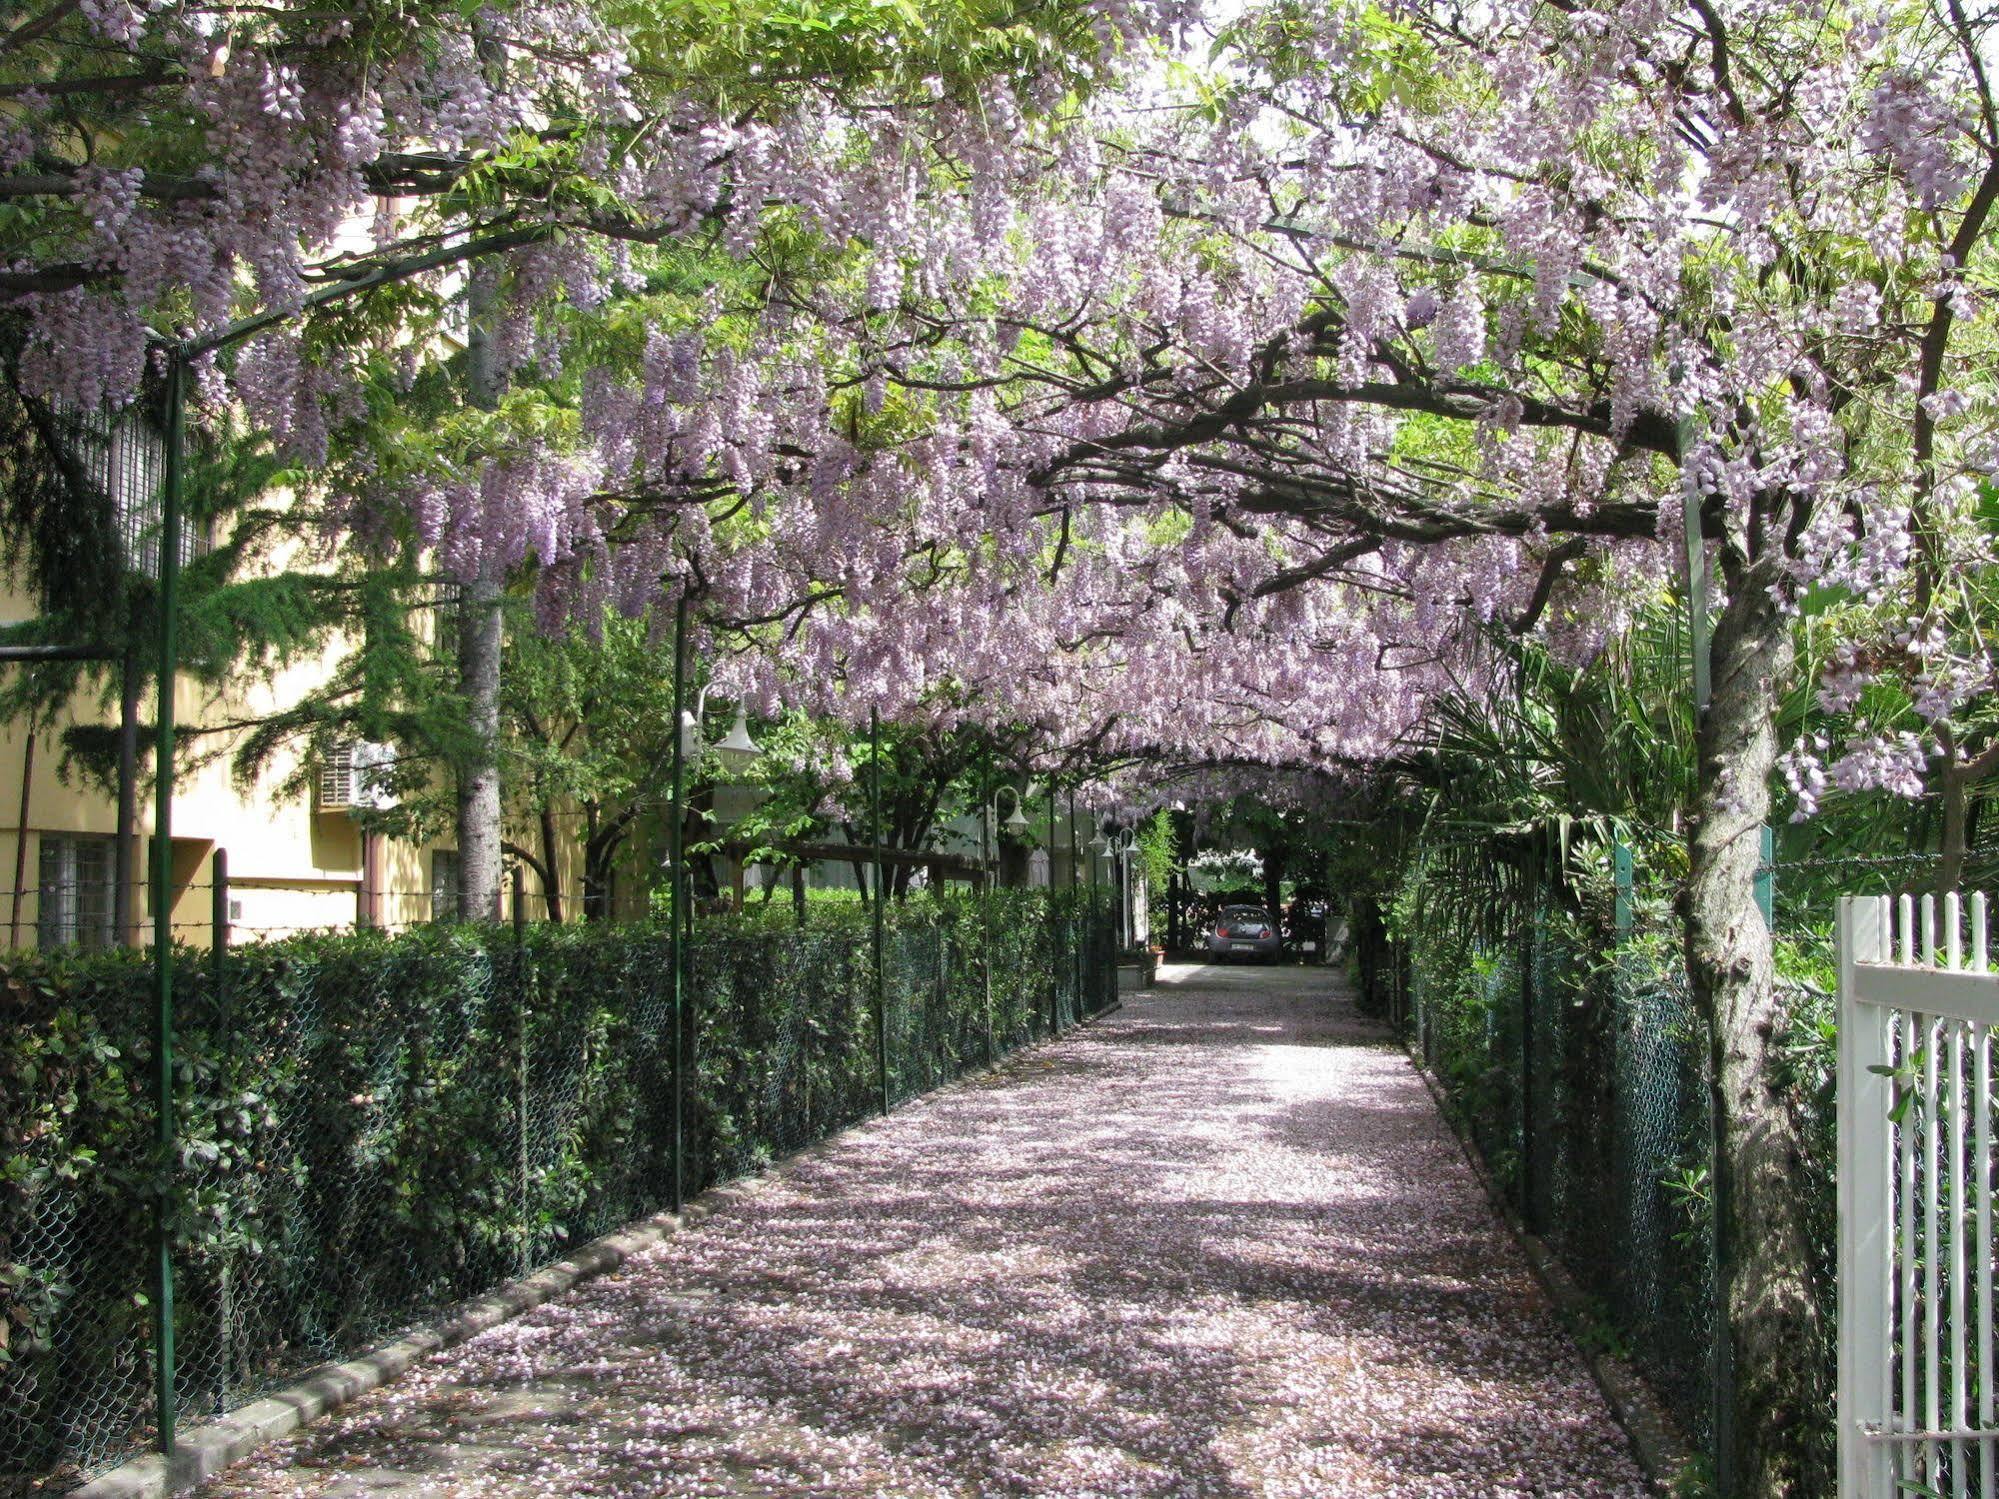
(1772, 1318)
(479, 642)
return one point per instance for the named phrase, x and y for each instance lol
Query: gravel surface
(1217, 1244)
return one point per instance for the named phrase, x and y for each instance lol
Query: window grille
(124, 455)
(76, 890)
(336, 778)
(444, 885)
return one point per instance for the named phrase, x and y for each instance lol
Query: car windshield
(1244, 914)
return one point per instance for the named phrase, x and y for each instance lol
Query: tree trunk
(597, 857)
(1959, 773)
(1955, 784)
(479, 640)
(1771, 1354)
(551, 866)
(1273, 882)
(601, 843)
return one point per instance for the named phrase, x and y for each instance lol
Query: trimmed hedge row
(372, 1127)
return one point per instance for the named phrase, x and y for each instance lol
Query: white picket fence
(1918, 1003)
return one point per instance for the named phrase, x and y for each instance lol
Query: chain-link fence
(1570, 1050)
(1577, 1067)
(371, 1127)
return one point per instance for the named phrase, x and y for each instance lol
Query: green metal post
(986, 881)
(1766, 877)
(218, 950)
(1529, 954)
(1081, 925)
(676, 896)
(875, 836)
(523, 989)
(1054, 984)
(1621, 874)
(163, 915)
(225, 1022)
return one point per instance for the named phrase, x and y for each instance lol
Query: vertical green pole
(875, 837)
(1623, 1022)
(1080, 926)
(986, 909)
(1093, 930)
(1766, 877)
(676, 829)
(1054, 983)
(523, 1175)
(163, 915)
(1529, 952)
(225, 1022)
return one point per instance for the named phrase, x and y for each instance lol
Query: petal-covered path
(1218, 1243)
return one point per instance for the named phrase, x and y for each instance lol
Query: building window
(444, 885)
(129, 461)
(76, 890)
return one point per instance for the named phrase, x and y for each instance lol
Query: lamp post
(1116, 846)
(676, 902)
(1015, 824)
(879, 912)
(736, 750)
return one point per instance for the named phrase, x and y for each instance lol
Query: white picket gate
(1917, 1007)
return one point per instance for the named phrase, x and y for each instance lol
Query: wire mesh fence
(1571, 1050)
(374, 1126)
(1576, 1066)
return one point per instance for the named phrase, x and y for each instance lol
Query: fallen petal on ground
(1217, 1244)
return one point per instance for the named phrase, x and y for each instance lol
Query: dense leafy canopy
(1216, 389)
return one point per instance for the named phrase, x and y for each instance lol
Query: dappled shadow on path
(1218, 1244)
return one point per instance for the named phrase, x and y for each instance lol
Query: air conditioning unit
(354, 777)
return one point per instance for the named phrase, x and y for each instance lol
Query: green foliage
(1158, 846)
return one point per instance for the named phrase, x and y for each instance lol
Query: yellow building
(294, 864)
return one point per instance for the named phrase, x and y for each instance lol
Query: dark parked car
(1245, 932)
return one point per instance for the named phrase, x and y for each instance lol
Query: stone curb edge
(1655, 1439)
(214, 1445)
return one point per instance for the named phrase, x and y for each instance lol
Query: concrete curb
(205, 1450)
(1662, 1452)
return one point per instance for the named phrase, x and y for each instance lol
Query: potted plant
(1138, 967)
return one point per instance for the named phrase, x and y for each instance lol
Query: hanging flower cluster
(1227, 420)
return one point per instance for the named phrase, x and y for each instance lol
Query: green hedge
(372, 1127)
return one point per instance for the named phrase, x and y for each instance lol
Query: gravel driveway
(1217, 1244)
